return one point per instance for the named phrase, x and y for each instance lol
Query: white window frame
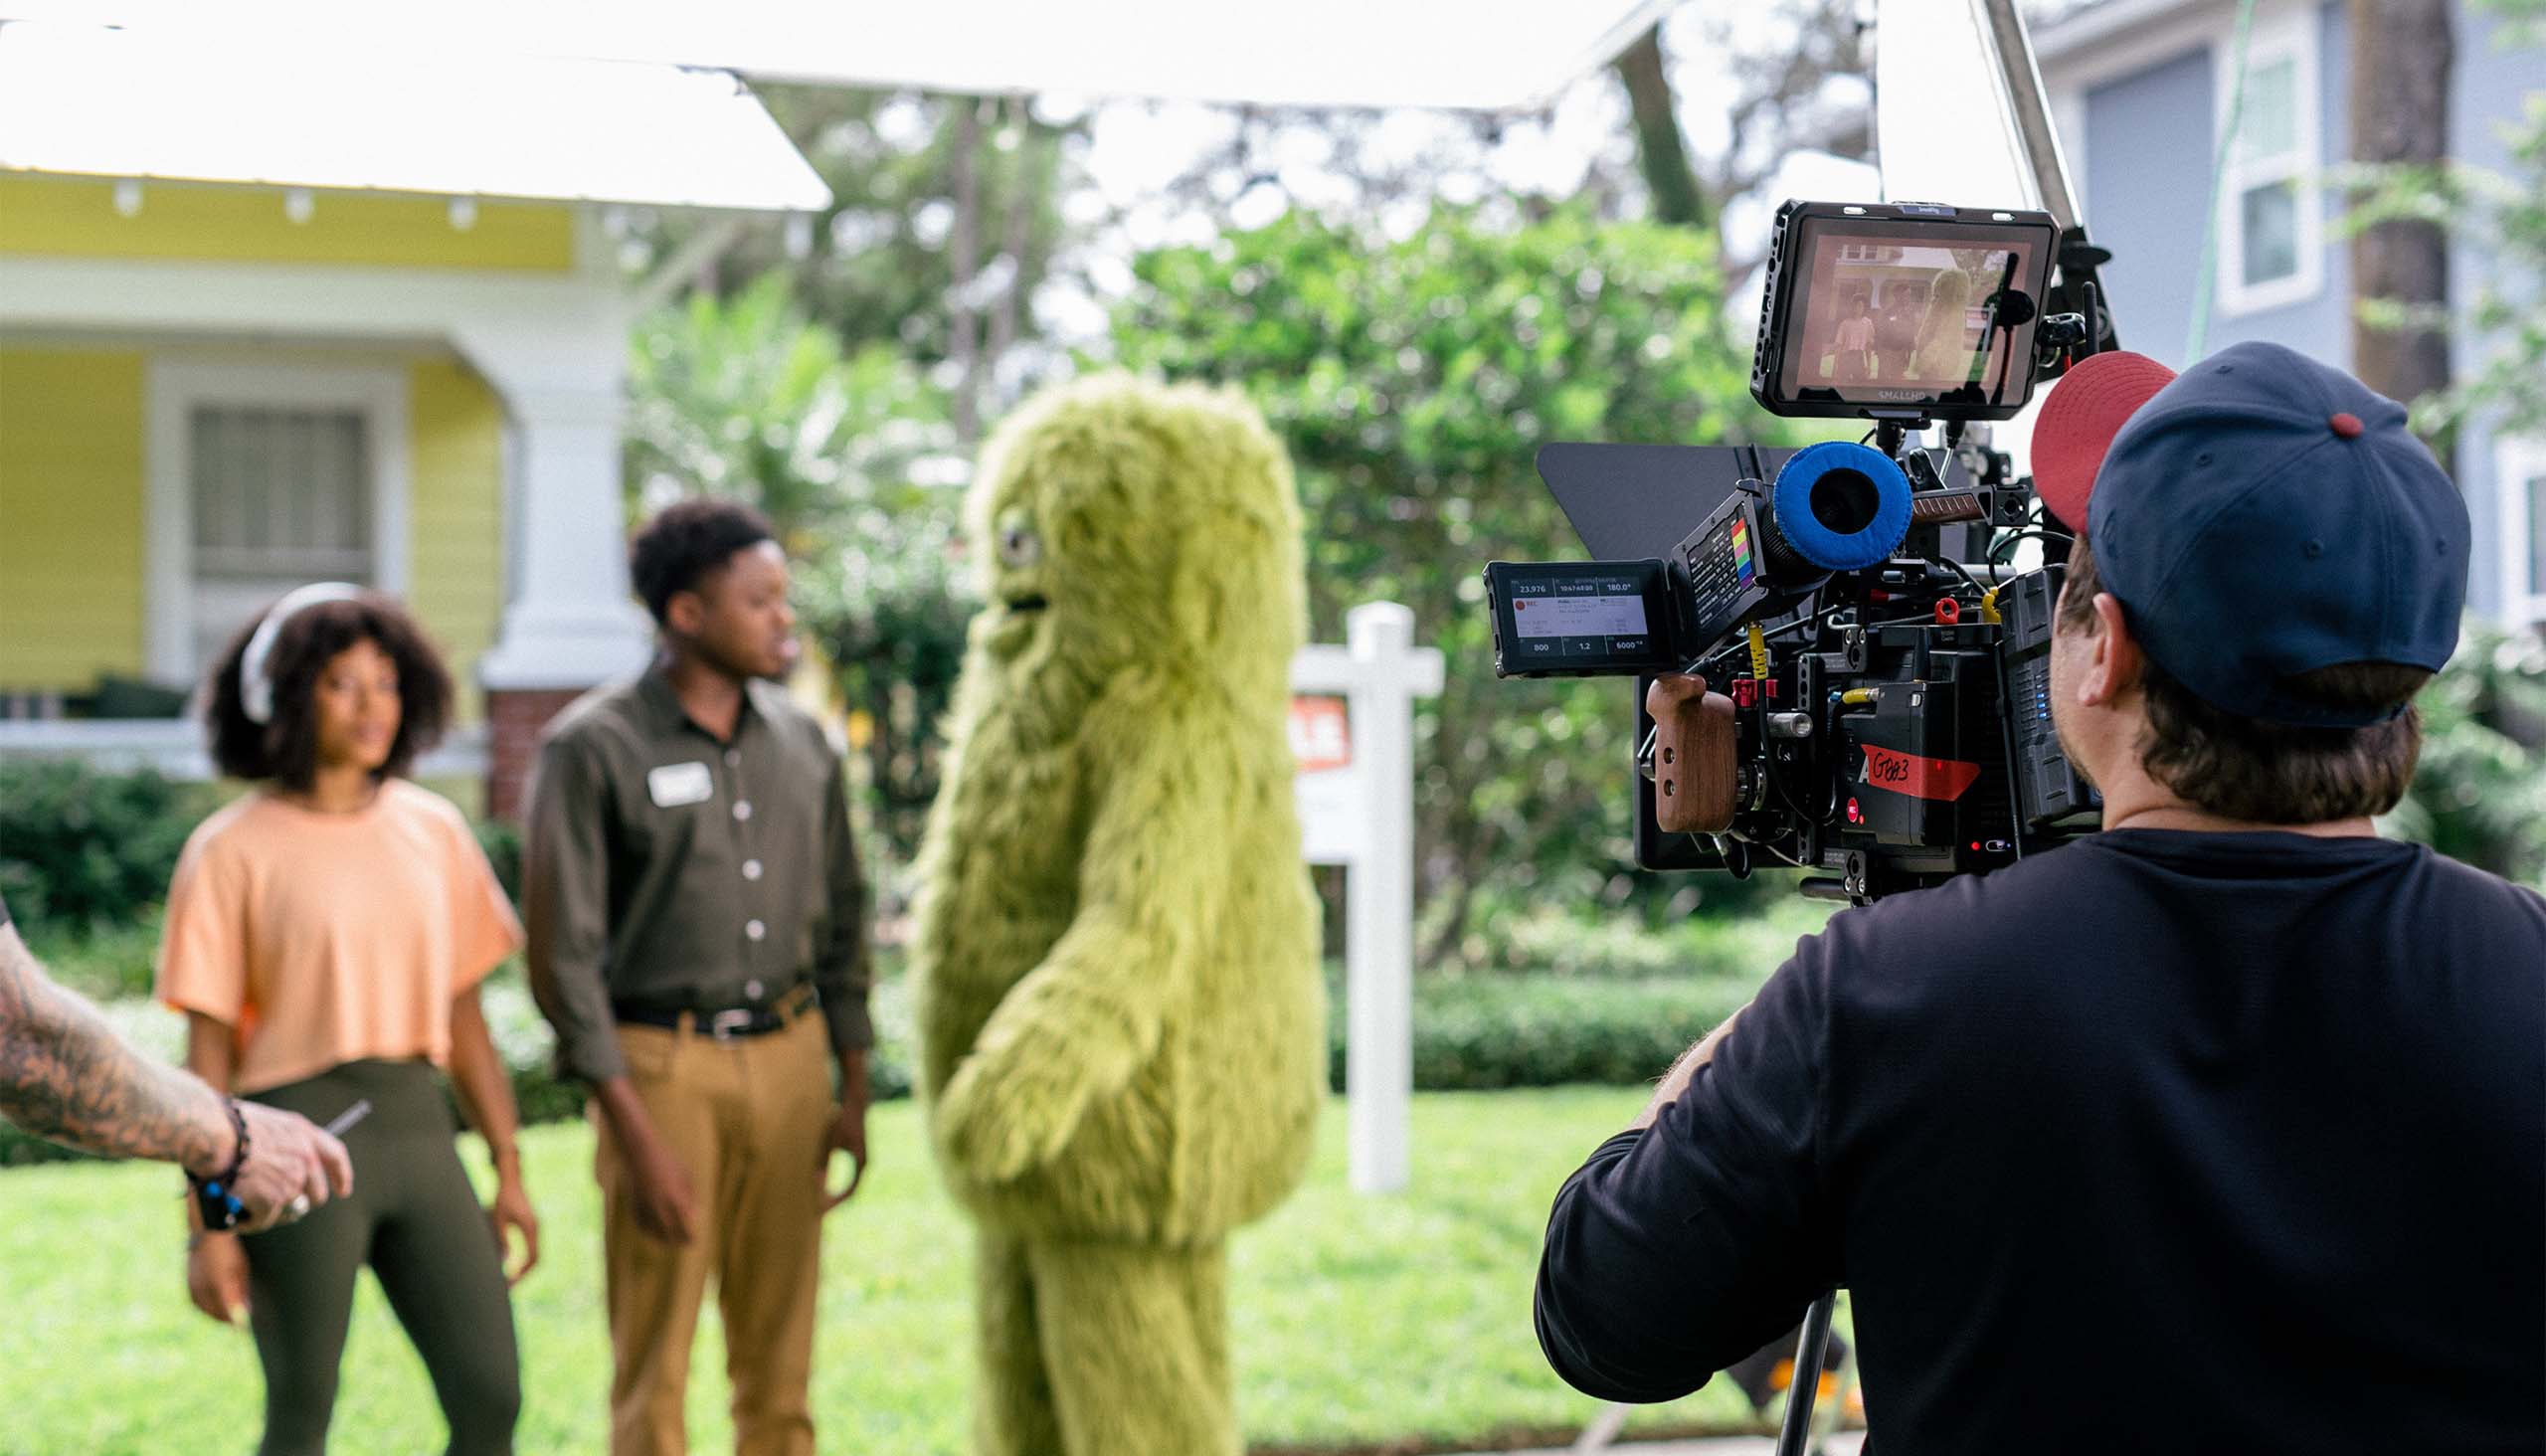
(175, 388)
(2293, 34)
(2516, 461)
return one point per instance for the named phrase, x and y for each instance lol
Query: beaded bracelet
(214, 1198)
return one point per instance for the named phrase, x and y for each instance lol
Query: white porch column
(570, 623)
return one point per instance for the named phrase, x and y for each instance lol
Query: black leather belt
(722, 1024)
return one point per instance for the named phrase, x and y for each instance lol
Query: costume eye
(1019, 546)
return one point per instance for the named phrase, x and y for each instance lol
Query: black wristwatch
(214, 1199)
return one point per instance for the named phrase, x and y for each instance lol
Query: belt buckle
(726, 1025)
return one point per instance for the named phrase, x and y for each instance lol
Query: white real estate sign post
(1355, 789)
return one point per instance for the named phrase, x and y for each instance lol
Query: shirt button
(752, 988)
(754, 930)
(751, 869)
(742, 808)
(733, 757)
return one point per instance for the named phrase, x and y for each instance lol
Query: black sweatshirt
(2162, 1141)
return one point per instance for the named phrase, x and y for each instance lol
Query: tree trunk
(2401, 56)
(1662, 153)
(1024, 200)
(963, 259)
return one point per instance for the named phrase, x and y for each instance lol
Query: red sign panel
(1321, 738)
(1919, 777)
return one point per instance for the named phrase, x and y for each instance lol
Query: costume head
(1118, 522)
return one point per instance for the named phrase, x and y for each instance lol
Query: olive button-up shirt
(667, 868)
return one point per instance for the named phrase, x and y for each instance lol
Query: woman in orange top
(325, 937)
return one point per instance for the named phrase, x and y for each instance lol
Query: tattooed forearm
(65, 1075)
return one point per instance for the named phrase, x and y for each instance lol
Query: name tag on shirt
(674, 785)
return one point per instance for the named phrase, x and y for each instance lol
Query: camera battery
(2047, 789)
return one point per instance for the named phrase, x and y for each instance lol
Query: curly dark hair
(686, 541)
(286, 752)
(2270, 772)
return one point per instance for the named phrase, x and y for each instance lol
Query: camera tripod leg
(1602, 1431)
(1796, 1433)
(1830, 1416)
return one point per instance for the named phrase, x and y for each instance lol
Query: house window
(2271, 226)
(264, 478)
(2520, 483)
(281, 496)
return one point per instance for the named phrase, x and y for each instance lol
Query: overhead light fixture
(299, 204)
(464, 213)
(128, 196)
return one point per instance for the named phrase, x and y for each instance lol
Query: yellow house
(264, 321)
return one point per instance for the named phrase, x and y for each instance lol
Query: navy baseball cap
(2265, 516)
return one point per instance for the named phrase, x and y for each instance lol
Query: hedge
(1487, 1032)
(86, 849)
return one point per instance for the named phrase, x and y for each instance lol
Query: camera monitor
(1581, 619)
(1902, 310)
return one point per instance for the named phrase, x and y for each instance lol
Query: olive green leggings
(416, 1222)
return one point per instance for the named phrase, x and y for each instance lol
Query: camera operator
(2223, 1129)
(65, 1075)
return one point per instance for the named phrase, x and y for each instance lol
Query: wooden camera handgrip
(1693, 767)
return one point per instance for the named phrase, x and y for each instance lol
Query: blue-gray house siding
(2146, 154)
(2150, 146)
(2147, 182)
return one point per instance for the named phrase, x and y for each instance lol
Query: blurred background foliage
(1413, 353)
(1415, 381)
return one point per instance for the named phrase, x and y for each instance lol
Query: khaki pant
(747, 1119)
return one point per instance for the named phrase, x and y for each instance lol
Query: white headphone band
(256, 678)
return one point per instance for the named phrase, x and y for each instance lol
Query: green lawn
(1360, 1320)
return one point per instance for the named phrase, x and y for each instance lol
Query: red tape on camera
(1919, 777)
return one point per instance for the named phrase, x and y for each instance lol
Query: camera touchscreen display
(1578, 617)
(1596, 614)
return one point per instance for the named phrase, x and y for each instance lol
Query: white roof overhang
(1482, 54)
(255, 105)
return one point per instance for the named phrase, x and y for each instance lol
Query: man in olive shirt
(693, 899)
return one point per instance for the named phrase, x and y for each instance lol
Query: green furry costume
(1119, 1013)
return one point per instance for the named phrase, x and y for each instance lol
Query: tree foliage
(1413, 382)
(2480, 792)
(748, 397)
(947, 220)
(84, 847)
(878, 267)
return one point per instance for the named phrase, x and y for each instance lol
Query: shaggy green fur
(1120, 1014)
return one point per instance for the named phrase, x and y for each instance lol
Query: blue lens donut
(1842, 506)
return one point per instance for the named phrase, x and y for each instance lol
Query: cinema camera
(1877, 701)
